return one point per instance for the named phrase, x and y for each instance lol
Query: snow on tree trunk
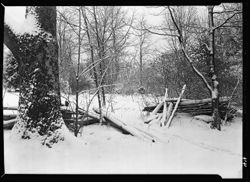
(39, 100)
(215, 84)
(215, 108)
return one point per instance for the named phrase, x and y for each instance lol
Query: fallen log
(9, 116)
(68, 121)
(63, 110)
(157, 108)
(9, 108)
(81, 122)
(84, 118)
(85, 122)
(124, 126)
(196, 107)
(9, 123)
(67, 116)
(150, 118)
(90, 114)
(191, 101)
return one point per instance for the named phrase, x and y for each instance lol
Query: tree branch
(150, 31)
(11, 41)
(231, 26)
(208, 48)
(227, 11)
(229, 18)
(178, 29)
(195, 69)
(186, 55)
(157, 33)
(70, 24)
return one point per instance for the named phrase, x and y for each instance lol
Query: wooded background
(122, 41)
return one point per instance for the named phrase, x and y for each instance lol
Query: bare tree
(178, 34)
(77, 72)
(143, 45)
(214, 87)
(91, 47)
(66, 48)
(118, 42)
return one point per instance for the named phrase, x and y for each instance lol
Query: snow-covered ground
(188, 146)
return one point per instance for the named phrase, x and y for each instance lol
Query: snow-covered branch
(11, 41)
(157, 33)
(185, 53)
(195, 69)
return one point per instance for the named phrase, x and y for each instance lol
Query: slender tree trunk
(77, 73)
(39, 99)
(100, 54)
(215, 84)
(114, 65)
(140, 65)
(93, 61)
(102, 74)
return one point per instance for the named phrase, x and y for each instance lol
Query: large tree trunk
(215, 84)
(39, 100)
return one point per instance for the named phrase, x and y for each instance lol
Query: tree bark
(77, 73)
(101, 55)
(140, 65)
(39, 99)
(215, 84)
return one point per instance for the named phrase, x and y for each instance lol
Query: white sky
(17, 13)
